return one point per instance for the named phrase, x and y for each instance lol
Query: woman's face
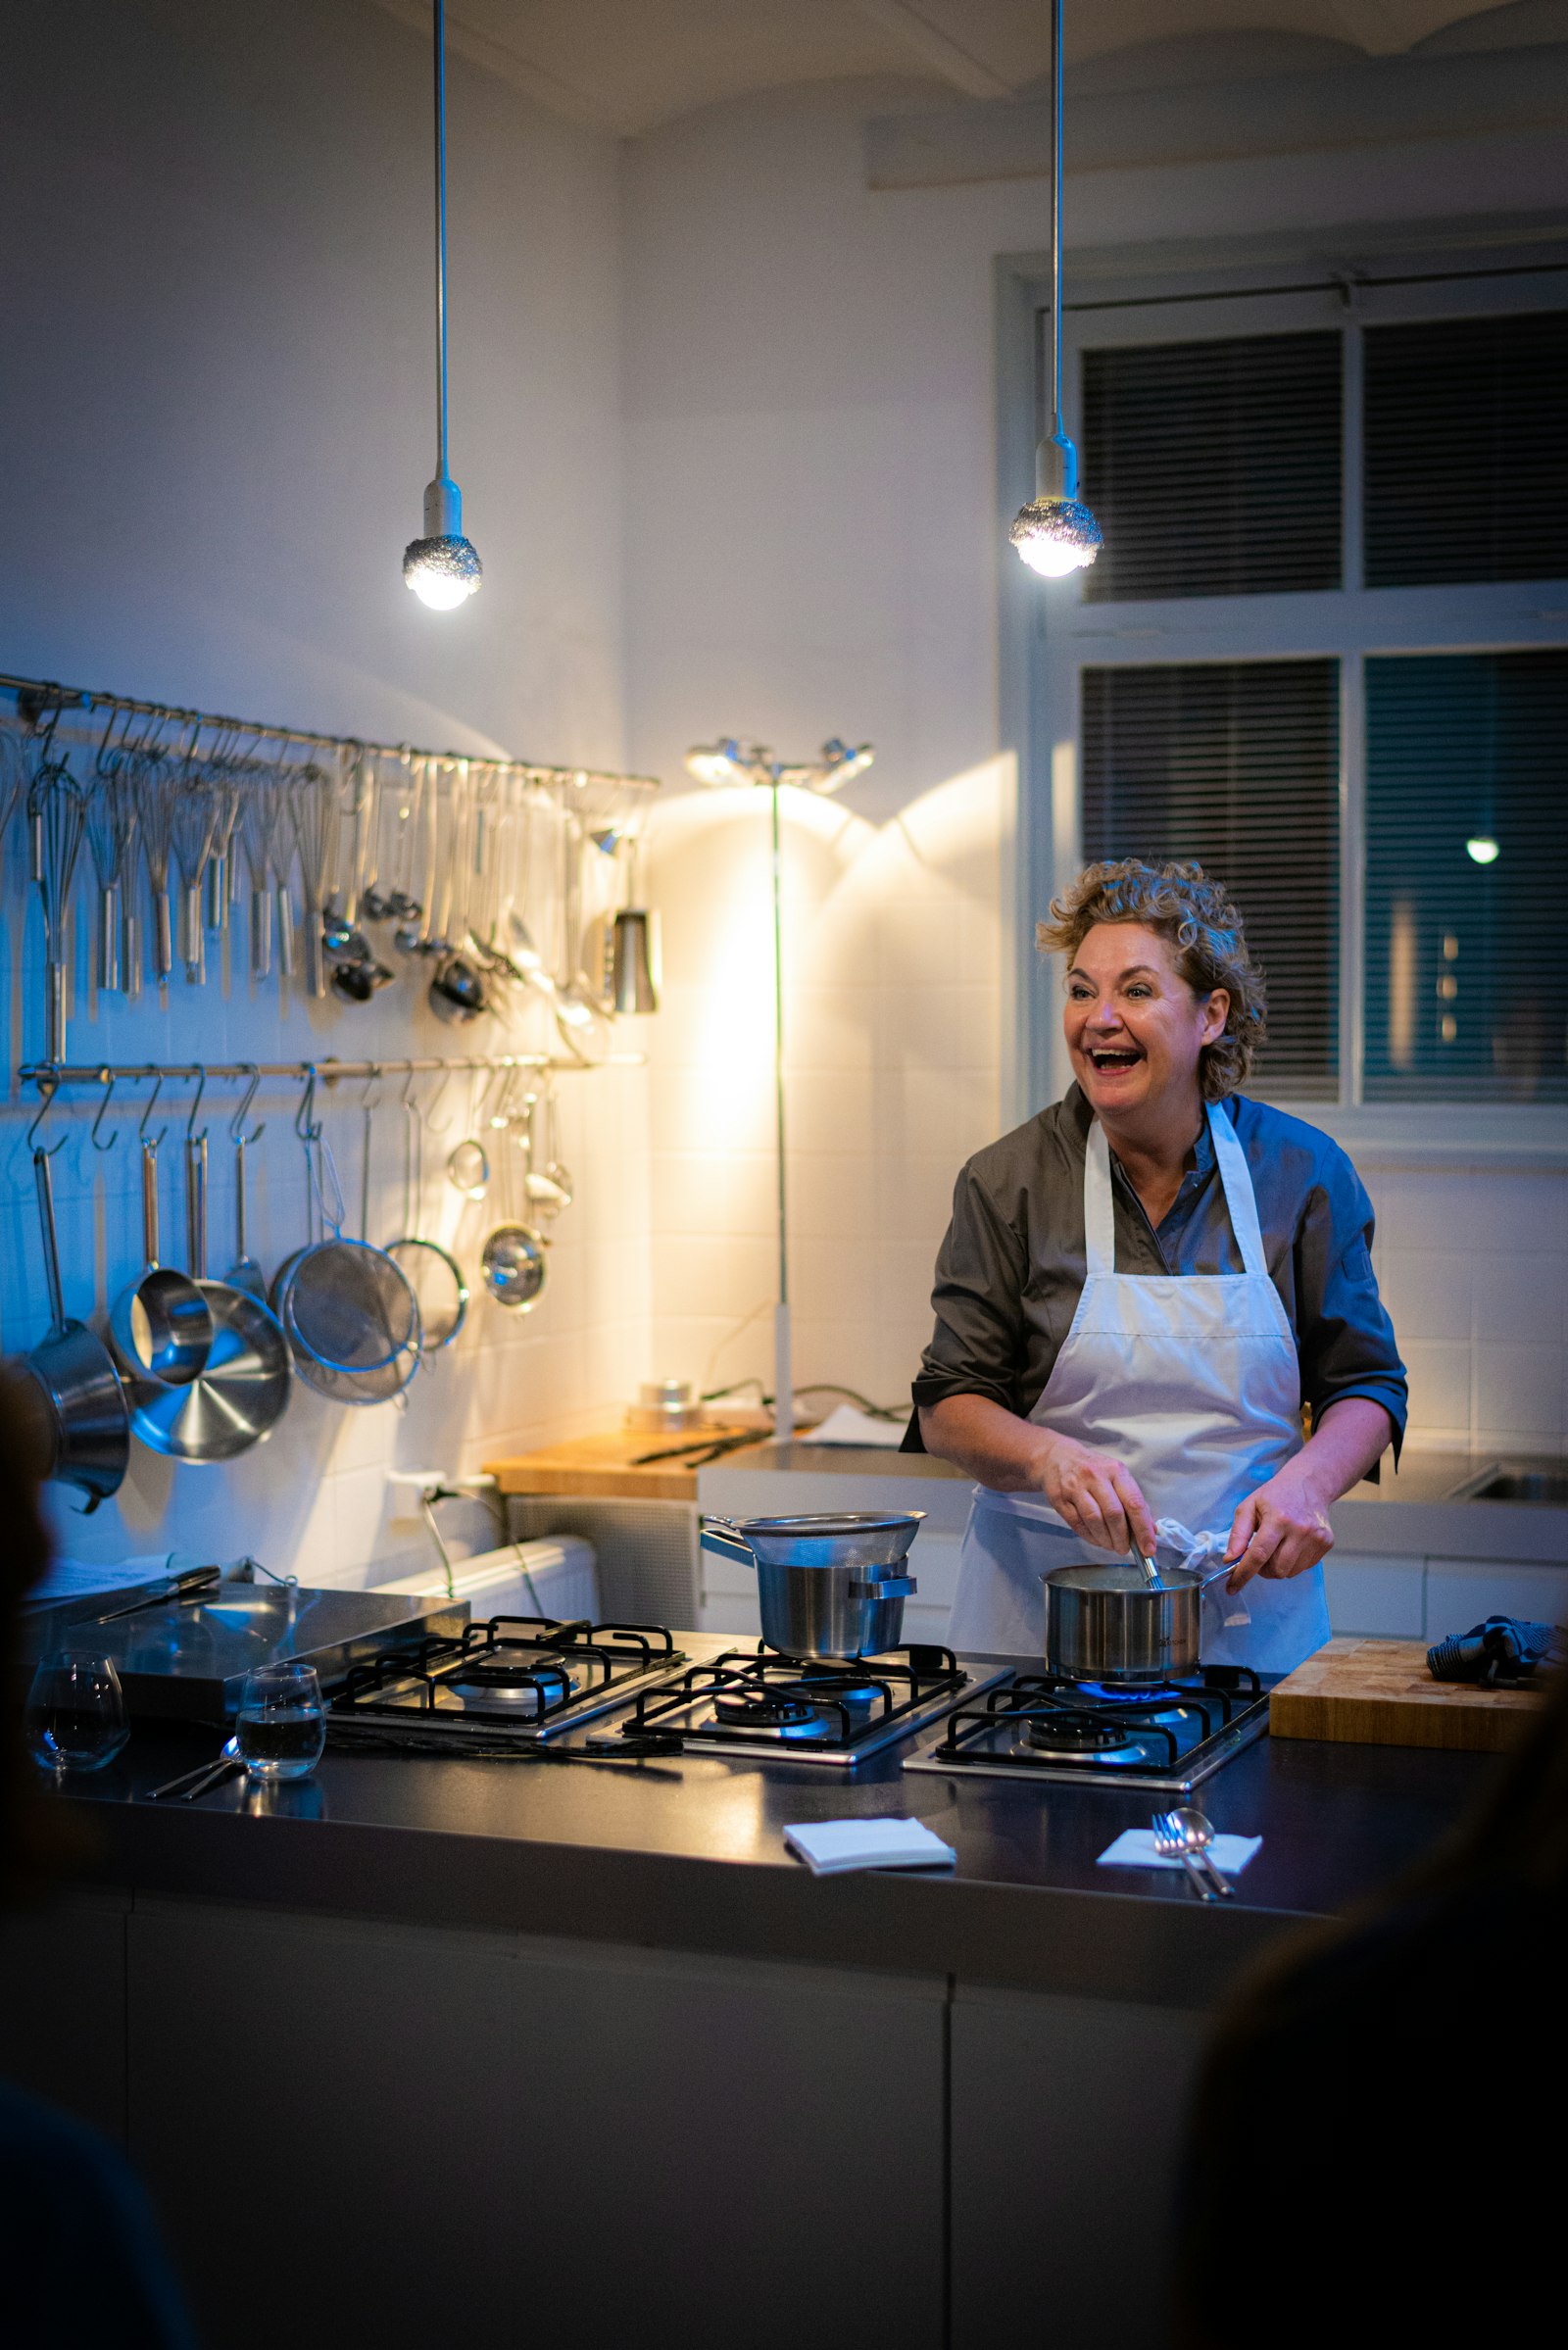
(1135, 1029)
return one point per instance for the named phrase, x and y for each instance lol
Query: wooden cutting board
(1380, 1693)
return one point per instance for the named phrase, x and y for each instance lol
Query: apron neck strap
(1240, 1197)
(1100, 1213)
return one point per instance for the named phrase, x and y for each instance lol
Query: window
(1325, 651)
(1466, 875)
(1238, 765)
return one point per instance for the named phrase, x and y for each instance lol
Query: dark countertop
(687, 1855)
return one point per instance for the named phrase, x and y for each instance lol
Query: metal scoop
(161, 1327)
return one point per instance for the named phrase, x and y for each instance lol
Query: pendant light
(722, 764)
(1055, 533)
(442, 567)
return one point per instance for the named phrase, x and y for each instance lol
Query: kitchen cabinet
(63, 2005)
(412, 2130)
(1067, 2117)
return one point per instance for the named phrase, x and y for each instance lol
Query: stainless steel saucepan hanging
(827, 1586)
(85, 1414)
(242, 1391)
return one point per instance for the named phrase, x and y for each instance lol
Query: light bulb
(1482, 850)
(443, 571)
(1055, 536)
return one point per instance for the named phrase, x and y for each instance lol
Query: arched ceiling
(627, 66)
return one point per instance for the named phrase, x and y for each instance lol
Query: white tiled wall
(893, 964)
(1474, 1266)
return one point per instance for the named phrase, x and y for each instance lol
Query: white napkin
(848, 1426)
(1134, 1848)
(828, 1846)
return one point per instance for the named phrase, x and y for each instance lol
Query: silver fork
(1171, 1844)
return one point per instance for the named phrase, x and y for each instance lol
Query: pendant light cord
(439, 21)
(1055, 212)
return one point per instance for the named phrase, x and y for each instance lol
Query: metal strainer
(432, 1272)
(345, 1305)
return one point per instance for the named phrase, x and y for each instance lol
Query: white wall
(812, 548)
(216, 412)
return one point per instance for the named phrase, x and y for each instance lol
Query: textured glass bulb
(1055, 536)
(443, 573)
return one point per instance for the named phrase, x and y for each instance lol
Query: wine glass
(281, 1726)
(75, 1713)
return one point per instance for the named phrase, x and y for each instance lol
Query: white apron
(1193, 1381)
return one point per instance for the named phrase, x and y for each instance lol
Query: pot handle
(889, 1586)
(717, 1533)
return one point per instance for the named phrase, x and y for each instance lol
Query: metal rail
(38, 699)
(51, 1075)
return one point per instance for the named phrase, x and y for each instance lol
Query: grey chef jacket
(1011, 1268)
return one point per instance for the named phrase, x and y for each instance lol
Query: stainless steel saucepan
(827, 1586)
(1110, 1623)
(86, 1418)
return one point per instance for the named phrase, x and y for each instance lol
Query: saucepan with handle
(829, 1586)
(1125, 1623)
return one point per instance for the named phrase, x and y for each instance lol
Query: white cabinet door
(1461, 1592)
(1380, 1598)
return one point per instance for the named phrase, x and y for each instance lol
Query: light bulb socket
(443, 509)
(1056, 466)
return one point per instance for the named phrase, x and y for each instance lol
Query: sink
(1516, 1480)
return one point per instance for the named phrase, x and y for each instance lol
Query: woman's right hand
(1097, 1496)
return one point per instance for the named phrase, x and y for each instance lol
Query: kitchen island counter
(687, 1853)
(597, 2013)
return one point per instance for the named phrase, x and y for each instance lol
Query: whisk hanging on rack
(110, 824)
(155, 815)
(314, 799)
(224, 778)
(263, 816)
(57, 809)
(194, 821)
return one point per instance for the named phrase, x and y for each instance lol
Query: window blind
(1213, 467)
(1466, 877)
(1236, 764)
(1466, 472)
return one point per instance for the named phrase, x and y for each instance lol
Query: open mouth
(1109, 1059)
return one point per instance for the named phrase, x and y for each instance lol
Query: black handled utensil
(189, 1586)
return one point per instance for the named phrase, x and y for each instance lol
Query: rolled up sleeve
(1345, 1337)
(982, 1267)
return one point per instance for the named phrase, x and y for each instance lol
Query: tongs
(181, 1590)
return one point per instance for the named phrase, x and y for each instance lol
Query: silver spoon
(1196, 1832)
(195, 1782)
(1171, 1844)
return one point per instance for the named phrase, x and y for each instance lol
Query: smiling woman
(1141, 1286)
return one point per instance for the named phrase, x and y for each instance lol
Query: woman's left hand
(1280, 1530)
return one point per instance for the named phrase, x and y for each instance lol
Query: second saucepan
(827, 1586)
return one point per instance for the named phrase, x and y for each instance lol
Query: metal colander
(344, 1305)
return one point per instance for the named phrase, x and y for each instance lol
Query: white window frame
(1049, 633)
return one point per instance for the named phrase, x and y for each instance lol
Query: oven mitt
(1203, 1556)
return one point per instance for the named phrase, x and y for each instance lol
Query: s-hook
(48, 1087)
(236, 1124)
(191, 1135)
(108, 1080)
(141, 1123)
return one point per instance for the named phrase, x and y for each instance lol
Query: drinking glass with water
(281, 1726)
(75, 1712)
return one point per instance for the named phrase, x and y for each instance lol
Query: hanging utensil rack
(50, 1076)
(37, 699)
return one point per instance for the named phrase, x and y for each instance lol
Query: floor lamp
(722, 765)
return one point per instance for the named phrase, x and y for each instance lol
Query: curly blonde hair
(1195, 913)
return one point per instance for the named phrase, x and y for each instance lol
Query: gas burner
(1124, 1692)
(529, 1677)
(769, 1711)
(1165, 1735)
(514, 1689)
(763, 1702)
(1074, 1733)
